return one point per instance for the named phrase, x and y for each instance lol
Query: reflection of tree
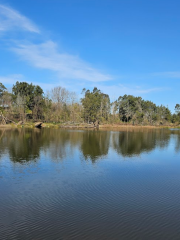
(178, 143)
(176, 136)
(95, 144)
(25, 145)
(130, 143)
(61, 142)
(22, 144)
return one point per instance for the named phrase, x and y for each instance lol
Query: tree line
(28, 102)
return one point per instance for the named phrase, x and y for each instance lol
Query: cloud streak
(115, 91)
(11, 19)
(11, 79)
(47, 56)
(70, 69)
(170, 74)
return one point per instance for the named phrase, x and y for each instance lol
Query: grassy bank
(87, 126)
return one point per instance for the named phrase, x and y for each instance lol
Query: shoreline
(86, 126)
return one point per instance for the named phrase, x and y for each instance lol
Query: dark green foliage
(28, 92)
(27, 101)
(96, 105)
(136, 110)
(177, 110)
(128, 105)
(2, 89)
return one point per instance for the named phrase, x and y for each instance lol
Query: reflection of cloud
(10, 19)
(46, 56)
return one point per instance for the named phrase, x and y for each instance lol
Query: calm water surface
(76, 184)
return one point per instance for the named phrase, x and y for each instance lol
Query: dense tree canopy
(28, 99)
(28, 102)
(28, 92)
(136, 110)
(96, 105)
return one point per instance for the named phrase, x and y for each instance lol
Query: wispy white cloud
(11, 79)
(10, 19)
(115, 91)
(47, 56)
(170, 74)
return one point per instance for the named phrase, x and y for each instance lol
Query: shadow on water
(25, 145)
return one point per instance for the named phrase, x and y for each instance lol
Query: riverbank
(104, 126)
(87, 126)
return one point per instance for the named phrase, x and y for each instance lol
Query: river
(79, 184)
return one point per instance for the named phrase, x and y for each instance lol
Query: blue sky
(120, 46)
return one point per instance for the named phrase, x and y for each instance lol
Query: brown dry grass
(133, 126)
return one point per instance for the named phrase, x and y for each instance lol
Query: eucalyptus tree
(128, 106)
(30, 98)
(96, 105)
(2, 89)
(177, 110)
(2, 92)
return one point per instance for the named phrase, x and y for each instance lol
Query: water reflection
(22, 145)
(25, 145)
(62, 196)
(176, 135)
(95, 144)
(129, 143)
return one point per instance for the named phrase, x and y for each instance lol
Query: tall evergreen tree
(95, 105)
